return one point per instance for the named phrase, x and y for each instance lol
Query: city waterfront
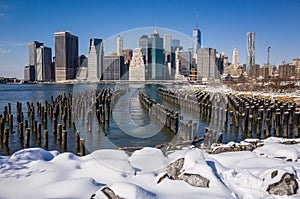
(129, 124)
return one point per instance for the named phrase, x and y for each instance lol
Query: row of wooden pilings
(255, 116)
(59, 113)
(98, 104)
(169, 118)
(211, 108)
(264, 116)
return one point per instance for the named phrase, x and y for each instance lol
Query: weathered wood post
(21, 129)
(64, 140)
(1, 129)
(297, 124)
(77, 142)
(285, 124)
(82, 147)
(6, 137)
(59, 132)
(46, 139)
(27, 138)
(10, 122)
(278, 125)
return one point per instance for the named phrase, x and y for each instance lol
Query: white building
(119, 45)
(95, 59)
(137, 66)
(43, 64)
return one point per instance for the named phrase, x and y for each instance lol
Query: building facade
(29, 73)
(287, 71)
(156, 57)
(95, 59)
(143, 45)
(206, 64)
(168, 47)
(185, 63)
(137, 66)
(32, 54)
(235, 58)
(250, 51)
(44, 64)
(114, 68)
(254, 71)
(66, 56)
(127, 54)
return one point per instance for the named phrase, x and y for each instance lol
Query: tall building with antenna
(250, 51)
(196, 39)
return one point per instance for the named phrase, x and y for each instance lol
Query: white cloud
(4, 51)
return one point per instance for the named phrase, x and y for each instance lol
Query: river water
(130, 124)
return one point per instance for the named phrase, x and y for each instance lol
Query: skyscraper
(137, 66)
(66, 55)
(29, 73)
(235, 58)
(119, 45)
(143, 45)
(168, 47)
(156, 59)
(95, 60)
(43, 65)
(196, 41)
(206, 63)
(114, 68)
(250, 51)
(32, 52)
(175, 43)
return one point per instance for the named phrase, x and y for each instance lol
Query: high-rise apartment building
(156, 59)
(95, 59)
(44, 64)
(206, 64)
(119, 45)
(66, 56)
(250, 51)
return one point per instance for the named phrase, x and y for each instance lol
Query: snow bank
(36, 173)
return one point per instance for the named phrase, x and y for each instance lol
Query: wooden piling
(46, 139)
(82, 147)
(27, 138)
(64, 140)
(6, 137)
(59, 132)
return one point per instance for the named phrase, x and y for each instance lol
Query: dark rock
(195, 180)
(173, 169)
(274, 174)
(174, 173)
(110, 193)
(286, 186)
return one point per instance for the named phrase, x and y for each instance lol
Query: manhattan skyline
(223, 25)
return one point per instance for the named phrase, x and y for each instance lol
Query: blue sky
(223, 24)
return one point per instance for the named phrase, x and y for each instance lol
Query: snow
(37, 173)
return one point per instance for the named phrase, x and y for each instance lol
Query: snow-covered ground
(36, 173)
